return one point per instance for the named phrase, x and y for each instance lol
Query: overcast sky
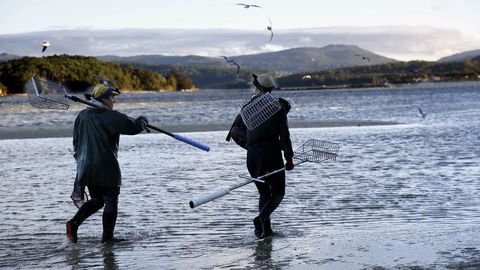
(400, 29)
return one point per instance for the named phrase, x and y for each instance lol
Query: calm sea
(401, 196)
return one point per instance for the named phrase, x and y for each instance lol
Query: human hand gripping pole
(46, 94)
(311, 151)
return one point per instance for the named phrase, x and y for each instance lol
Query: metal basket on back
(259, 110)
(45, 94)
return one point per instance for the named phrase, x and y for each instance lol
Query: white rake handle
(225, 190)
(209, 197)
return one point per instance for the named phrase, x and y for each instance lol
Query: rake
(47, 94)
(312, 150)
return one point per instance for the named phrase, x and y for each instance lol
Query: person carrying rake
(264, 145)
(96, 137)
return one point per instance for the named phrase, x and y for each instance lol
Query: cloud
(398, 42)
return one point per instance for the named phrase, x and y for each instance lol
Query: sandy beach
(51, 131)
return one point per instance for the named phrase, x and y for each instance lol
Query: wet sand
(50, 131)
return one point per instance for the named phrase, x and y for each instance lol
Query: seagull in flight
(233, 63)
(105, 81)
(269, 28)
(248, 5)
(421, 112)
(363, 57)
(45, 45)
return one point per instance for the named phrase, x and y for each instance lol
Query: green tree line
(395, 73)
(78, 73)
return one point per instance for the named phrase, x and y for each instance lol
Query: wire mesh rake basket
(259, 110)
(44, 94)
(316, 151)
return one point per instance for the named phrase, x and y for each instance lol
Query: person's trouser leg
(91, 206)
(110, 213)
(86, 210)
(261, 160)
(264, 196)
(277, 193)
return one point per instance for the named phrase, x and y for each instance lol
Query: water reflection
(263, 249)
(84, 256)
(73, 257)
(109, 259)
(263, 254)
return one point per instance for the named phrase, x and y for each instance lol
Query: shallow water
(219, 106)
(398, 196)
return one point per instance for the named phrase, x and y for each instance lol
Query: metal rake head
(45, 94)
(259, 110)
(316, 151)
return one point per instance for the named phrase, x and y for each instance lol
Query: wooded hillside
(77, 73)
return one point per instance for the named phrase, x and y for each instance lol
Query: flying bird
(363, 57)
(248, 5)
(269, 28)
(233, 63)
(421, 112)
(45, 45)
(105, 81)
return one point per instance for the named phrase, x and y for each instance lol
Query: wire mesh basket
(316, 151)
(44, 94)
(259, 110)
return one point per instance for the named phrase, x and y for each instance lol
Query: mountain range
(216, 72)
(293, 60)
(289, 61)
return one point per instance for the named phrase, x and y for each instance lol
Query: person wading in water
(264, 145)
(96, 137)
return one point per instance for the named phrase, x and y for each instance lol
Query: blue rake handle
(199, 145)
(182, 138)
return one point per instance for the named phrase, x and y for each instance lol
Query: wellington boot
(109, 239)
(112, 240)
(258, 227)
(267, 227)
(72, 229)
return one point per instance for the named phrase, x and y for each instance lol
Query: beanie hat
(264, 82)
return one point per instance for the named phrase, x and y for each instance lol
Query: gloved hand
(143, 122)
(289, 166)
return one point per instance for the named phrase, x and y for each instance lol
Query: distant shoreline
(31, 132)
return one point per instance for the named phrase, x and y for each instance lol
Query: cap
(101, 91)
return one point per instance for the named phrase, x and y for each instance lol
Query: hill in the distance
(460, 56)
(162, 59)
(5, 57)
(309, 58)
(290, 61)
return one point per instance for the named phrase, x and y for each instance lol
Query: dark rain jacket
(96, 136)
